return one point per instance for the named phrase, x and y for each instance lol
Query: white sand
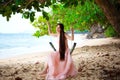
(96, 59)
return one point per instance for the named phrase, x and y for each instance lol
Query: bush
(110, 32)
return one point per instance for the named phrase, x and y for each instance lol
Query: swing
(71, 51)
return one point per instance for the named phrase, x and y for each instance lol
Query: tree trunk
(111, 13)
(49, 27)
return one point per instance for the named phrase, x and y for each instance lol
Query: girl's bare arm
(72, 35)
(50, 33)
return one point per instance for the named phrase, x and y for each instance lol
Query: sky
(16, 24)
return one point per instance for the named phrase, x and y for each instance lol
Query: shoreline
(87, 43)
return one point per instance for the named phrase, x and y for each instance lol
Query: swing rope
(71, 51)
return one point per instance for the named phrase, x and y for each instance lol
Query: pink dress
(59, 70)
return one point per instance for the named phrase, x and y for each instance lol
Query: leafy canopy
(25, 7)
(77, 13)
(81, 17)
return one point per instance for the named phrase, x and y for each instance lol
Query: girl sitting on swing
(60, 64)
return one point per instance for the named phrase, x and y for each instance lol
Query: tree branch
(26, 5)
(7, 3)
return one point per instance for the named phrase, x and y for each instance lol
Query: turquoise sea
(16, 44)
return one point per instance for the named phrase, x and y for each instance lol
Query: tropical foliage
(77, 13)
(26, 7)
(81, 17)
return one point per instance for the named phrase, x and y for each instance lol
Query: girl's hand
(71, 28)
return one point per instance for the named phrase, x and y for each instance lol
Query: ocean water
(16, 44)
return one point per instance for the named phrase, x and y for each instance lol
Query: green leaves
(36, 6)
(77, 13)
(69, 3)
(110, 32)
(53, 1)
(25, 7)
(45, 15)
(48, 3)
(55, 7)
(7, 12)
(30, 15)
(14, 8)
(80, 17)
(37, 33)
(19, 2)
(41, 24)
(26, 15)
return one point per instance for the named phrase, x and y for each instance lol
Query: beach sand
(95, 59)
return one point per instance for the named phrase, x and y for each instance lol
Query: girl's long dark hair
(62, 38)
